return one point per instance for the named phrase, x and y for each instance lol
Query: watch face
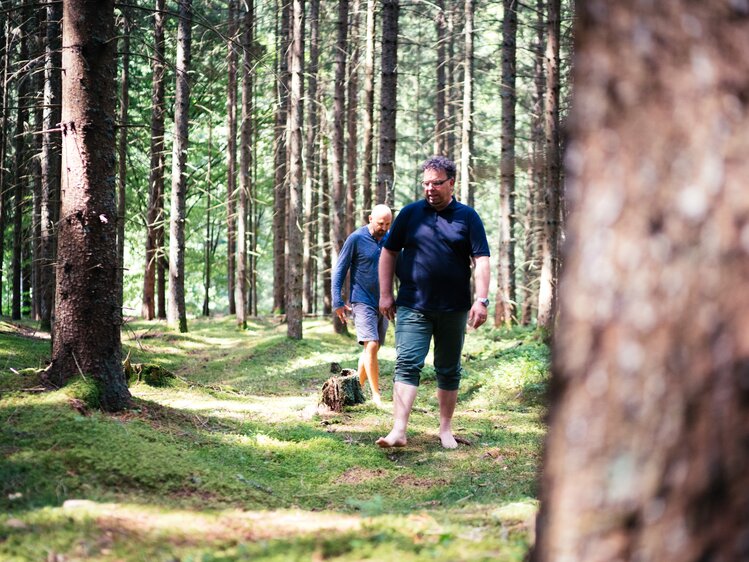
(485, 302)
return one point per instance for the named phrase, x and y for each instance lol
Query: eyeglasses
(435, 183)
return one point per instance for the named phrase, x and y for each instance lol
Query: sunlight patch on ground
(267, 408)
(202, 526)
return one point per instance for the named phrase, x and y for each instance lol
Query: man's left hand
(477, 315)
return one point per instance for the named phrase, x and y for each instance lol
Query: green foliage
(235, 463)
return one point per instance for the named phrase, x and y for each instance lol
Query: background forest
(383, 85)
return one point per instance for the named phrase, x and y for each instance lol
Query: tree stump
(342, 390)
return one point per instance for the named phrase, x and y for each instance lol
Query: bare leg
(403, 401)
(447, 400)
(361, 370)
(372, 369)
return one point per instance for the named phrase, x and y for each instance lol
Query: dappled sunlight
(207, 526)
(265, 408)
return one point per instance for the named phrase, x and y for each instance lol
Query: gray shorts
(370, 324)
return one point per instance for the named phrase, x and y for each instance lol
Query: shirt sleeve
(479, 243)
(339, 274)
(396, 237)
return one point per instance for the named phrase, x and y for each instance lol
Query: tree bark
(231, 157)
(311, 217)
(19, 161)
(338, 206)
(440, 98)
(352, 120)
(504, 311)
(245, 166)
(155, 212)
(208, 240)
(646, 453)
(296, 211)
(368, 115)
(327, 242)
(280, 189)
(4, 190)
(534, 223)
(465, 177)
(50, 160)
(88, 316)
(177, 314)
(388, 102)
(547, 301)
(122, 150)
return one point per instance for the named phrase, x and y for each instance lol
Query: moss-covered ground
(233, 460)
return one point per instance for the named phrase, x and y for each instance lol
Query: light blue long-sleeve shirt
(361, 254)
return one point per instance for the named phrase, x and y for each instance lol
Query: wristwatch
(484, 301)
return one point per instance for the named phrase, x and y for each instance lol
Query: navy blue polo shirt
(434, 266)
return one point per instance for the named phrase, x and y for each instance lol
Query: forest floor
(234, 461)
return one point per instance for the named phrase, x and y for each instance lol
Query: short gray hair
(440, 163)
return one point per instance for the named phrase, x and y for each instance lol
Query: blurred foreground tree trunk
(646, 456)
(88, 314)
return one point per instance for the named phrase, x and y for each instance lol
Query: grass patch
(233, 462)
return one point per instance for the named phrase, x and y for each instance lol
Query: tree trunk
(88, 316)
(465, 177)
(352, 121)
(296, 211)
(440, 99)
(388, 102)
(19, 161)
(4, 190)
(547, 300)
(311, 157)
(338, 207)
(245, 164)
(50, 160)
(280, 188)
(208, 240)
(177, 313)
(533, 220)
(155, 212)
(368, 121)
(327, 243)
(37, 98)
(646, 455)
(122, 150)
(504, 311)
(231, 157)
(451, 94)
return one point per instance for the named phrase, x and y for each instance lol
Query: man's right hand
(342, 313)
(387, 306)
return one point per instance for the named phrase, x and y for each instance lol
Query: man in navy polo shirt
(431, 247)
(361, 254)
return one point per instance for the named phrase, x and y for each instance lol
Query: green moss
(240, 436)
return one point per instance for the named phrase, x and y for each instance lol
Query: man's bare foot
(448, 440)
(391, 441)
